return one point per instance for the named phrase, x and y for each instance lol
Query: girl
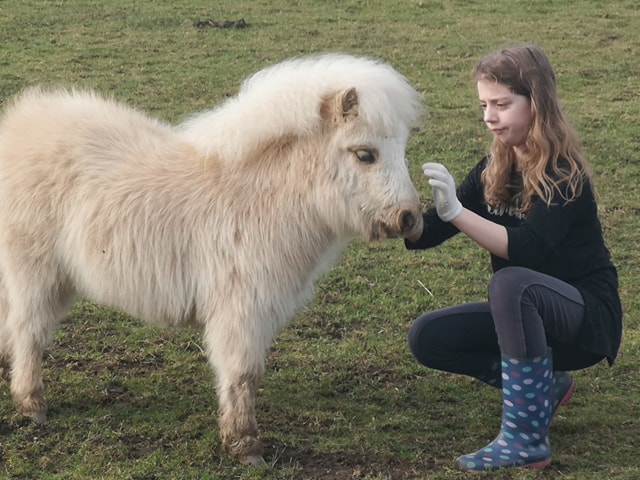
(531, 204)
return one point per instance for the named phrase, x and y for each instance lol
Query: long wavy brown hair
(526, 70)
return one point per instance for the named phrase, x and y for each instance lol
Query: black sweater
(563, 240)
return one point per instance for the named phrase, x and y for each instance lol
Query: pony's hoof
(255, 460)
(37, 417)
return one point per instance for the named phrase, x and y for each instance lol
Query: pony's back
(83, 179)
(80, 119)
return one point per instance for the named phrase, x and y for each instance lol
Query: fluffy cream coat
(223, 222)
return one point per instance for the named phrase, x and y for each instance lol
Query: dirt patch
(335, 466)
(224, 24)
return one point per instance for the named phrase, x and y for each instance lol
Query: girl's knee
(429, 338)
(418, 338)
(507, 280)
(414, 334)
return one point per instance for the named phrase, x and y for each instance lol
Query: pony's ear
(341, 106)
(349, 102)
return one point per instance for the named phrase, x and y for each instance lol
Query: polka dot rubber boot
(527, 401)
(492, 376)
(563, 384)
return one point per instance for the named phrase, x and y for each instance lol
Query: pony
(223, 222)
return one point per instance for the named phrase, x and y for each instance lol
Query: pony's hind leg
(27, 389)
(5, 368)
(5, 355)
(30, 324)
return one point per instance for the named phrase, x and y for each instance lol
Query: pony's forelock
(285, 98)
(385, 96)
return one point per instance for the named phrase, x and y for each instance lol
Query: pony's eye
(366, 156)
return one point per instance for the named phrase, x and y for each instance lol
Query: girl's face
(507, 114)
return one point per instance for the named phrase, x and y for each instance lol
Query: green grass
(342, 397)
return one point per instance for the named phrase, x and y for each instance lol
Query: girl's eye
(365, 156)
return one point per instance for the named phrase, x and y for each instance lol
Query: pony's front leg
(238, 360)
(237, 416)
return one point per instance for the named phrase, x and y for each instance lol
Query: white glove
(444, 191)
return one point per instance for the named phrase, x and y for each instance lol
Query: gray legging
(527, 312)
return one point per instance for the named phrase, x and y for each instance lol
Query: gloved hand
(444, 191)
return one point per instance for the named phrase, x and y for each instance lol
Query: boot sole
(564, 400)
(541, 465)
(538, 465)
(568, 393)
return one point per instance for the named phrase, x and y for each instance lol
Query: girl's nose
(489, 114)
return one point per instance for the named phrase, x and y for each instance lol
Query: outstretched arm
(487, 234)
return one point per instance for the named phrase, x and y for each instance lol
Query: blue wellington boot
(563, 384)
(527, 406)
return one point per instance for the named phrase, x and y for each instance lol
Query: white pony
(224, 222)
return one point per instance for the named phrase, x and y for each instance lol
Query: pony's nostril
(408, 221)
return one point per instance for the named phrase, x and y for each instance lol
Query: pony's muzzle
(410, 223)
(403, 222)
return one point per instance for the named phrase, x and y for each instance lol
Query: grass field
(342, 397)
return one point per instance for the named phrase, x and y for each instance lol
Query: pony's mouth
(405, 224)
(382, 231)
(411, 223)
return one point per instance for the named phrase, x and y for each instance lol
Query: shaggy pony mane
(285, 99)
